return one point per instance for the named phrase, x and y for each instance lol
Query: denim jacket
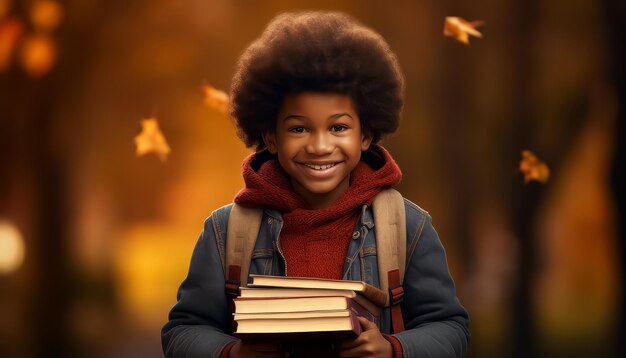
(435, 321)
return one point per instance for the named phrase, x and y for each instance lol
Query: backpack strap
(243, 228)
(390, 227)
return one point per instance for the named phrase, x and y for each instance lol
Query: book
(376, 295)
(288, 315)
(298, 326)
(301, 304)
(275, 292)
(317, 305)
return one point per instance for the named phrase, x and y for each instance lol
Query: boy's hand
(370, 343)
(243, 349)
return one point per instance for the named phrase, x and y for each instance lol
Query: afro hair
(318, 52)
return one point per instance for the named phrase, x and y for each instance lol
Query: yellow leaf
(460, 29)
(533, 168)
(151, 140)
(38, 55)
(10, 32)
(215, 98)
(46, 14)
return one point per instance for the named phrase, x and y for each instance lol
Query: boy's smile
(318, 140)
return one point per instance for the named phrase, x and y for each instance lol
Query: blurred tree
(615, 13)
(524, 198)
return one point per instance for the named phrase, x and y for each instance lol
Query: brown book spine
(356, 325)
(376, 295)
(354, 307)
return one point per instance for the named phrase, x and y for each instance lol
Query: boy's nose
(319, 144)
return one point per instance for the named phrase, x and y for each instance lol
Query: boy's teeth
(320, 167)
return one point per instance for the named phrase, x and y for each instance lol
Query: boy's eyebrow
(334, 116)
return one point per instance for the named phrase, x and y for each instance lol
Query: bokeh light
(11, 247)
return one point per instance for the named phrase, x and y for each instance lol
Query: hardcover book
(300, 304)
(275, 292)
(298, 326)
(376, 295)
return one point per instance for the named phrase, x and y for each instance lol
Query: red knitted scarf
(315, 242)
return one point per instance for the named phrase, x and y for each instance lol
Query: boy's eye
(338, 128)
(296, 129)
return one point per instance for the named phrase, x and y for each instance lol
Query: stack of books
(297, 308)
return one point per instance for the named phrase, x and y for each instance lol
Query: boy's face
(318, 140)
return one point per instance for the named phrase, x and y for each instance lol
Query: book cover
(374, 294)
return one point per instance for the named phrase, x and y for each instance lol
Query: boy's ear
(269, 138)
(366, 140)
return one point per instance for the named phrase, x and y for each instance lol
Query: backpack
(390, 229)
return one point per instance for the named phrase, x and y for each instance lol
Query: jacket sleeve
(199, 323)
(436, 323)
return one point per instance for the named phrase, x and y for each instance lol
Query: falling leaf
(460, 29)
(533, 168)
(38, 55)
(5, 6)
(215, 98)
(10, 32)
(46, 15)
(151, 140)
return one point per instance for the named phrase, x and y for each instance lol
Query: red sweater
(315, 242)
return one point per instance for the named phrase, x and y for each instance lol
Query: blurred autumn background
(94, 240)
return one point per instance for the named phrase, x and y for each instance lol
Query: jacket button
(355, 235)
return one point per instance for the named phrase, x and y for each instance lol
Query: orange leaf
(46, 14)
(533, 168)
(38, 55)
(10, 32)
(151, 140)
(460, 29)
(215, 98)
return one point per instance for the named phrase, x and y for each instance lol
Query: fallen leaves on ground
(461, 29)
(533, 168)
(215, 98)
(151, 140)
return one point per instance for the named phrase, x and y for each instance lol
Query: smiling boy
(314, 95)
(318, 141)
